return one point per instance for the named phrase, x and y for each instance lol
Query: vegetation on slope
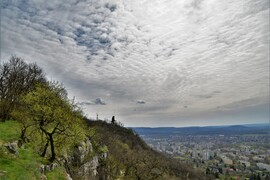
(24, 164)
(131, 158)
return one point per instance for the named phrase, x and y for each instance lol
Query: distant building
(246, 163)
(263, 166)
(226, 160)
(207, 154)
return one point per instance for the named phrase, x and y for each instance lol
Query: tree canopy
(51, 117)
(16, 78)
(48, 118)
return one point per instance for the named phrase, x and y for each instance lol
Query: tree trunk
(45, 149)
(23, 132)
(52, 148)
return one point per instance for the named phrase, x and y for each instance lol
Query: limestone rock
(42, 169)
(84, 162)
(53, 166)
(12, 147)
(43, 177)
(89, 169)
(68, 177)
(47, 168)
(82, 151)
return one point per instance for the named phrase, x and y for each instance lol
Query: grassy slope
(26, 164)
(9, 131)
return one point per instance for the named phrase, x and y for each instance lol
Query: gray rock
(83, 150)
(42, 169)
(47, 168)
(12, 147)
(89, 147)
(91, 166)
(43, 177)
(68, 177)
(88, 169)
(53, 166)
(104, 155)
(87, 166)
(94, 164)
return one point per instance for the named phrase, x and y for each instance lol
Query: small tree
(48, 115)
(113, 120)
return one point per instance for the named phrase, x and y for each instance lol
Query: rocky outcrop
(82, 151)
(84, 162)
(12, 147)
(89, 168)
(47, 168)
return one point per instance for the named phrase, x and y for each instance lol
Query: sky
(149, 62)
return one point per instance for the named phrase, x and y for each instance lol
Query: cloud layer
(184, 58)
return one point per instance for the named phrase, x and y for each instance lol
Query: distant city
(237, 152)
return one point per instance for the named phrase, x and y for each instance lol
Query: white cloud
(174, 54)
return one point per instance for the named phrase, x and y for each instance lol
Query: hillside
(121, 155)
(131, 158)
(24, 162)
(208, 130)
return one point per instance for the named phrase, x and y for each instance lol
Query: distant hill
(208, 130)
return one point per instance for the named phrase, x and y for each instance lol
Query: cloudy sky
(149, 62)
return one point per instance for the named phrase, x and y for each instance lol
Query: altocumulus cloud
(175, 54)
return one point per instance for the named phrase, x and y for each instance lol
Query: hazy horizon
(149, 63)
(221, 125)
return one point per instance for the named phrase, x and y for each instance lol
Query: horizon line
(199, 126)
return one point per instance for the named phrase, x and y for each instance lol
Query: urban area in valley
(234, 152)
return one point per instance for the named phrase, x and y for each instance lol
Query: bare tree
(16, 78)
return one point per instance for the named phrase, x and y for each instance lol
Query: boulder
(43, 177)
(12, 147)
(42, 169)
(47, 168)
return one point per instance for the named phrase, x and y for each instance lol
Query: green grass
(57, 174)
(9, 131)
(25, 165)
(22, 166)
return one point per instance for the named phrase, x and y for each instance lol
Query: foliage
(16, 78)
(50, 118)
(9, 131)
